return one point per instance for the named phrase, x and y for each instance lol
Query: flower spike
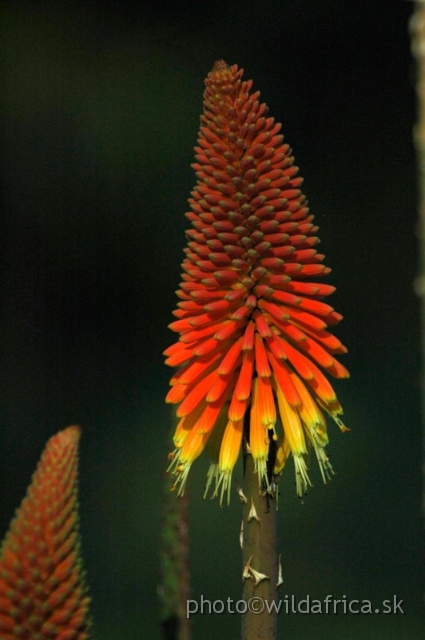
(251, 318)
(42, 587)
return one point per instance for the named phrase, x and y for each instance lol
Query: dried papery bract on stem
(252, 317)
(43, 593)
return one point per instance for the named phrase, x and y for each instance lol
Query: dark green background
(100, 111)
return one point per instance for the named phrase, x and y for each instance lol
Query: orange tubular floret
(243, 386)
(217, 389)
(248, 338)
(261, 361)
(193, 446)
(266, 404)
(176, 393)
(230, 360)
(197, 393)
(283, 375)
(201, 366)
(209, 417)
(237, 408)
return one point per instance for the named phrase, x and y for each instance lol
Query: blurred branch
(417, 29)
(174, 586)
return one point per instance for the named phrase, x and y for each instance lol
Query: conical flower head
(252, 319)
(42, 588)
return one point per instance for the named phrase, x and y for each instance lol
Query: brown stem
(260, 555)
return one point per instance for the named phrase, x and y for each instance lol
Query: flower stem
(260, 558)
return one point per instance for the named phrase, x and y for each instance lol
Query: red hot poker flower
(42, 589)
(251, 317)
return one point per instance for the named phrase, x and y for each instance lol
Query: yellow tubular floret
(291, 423)
(258, 437)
